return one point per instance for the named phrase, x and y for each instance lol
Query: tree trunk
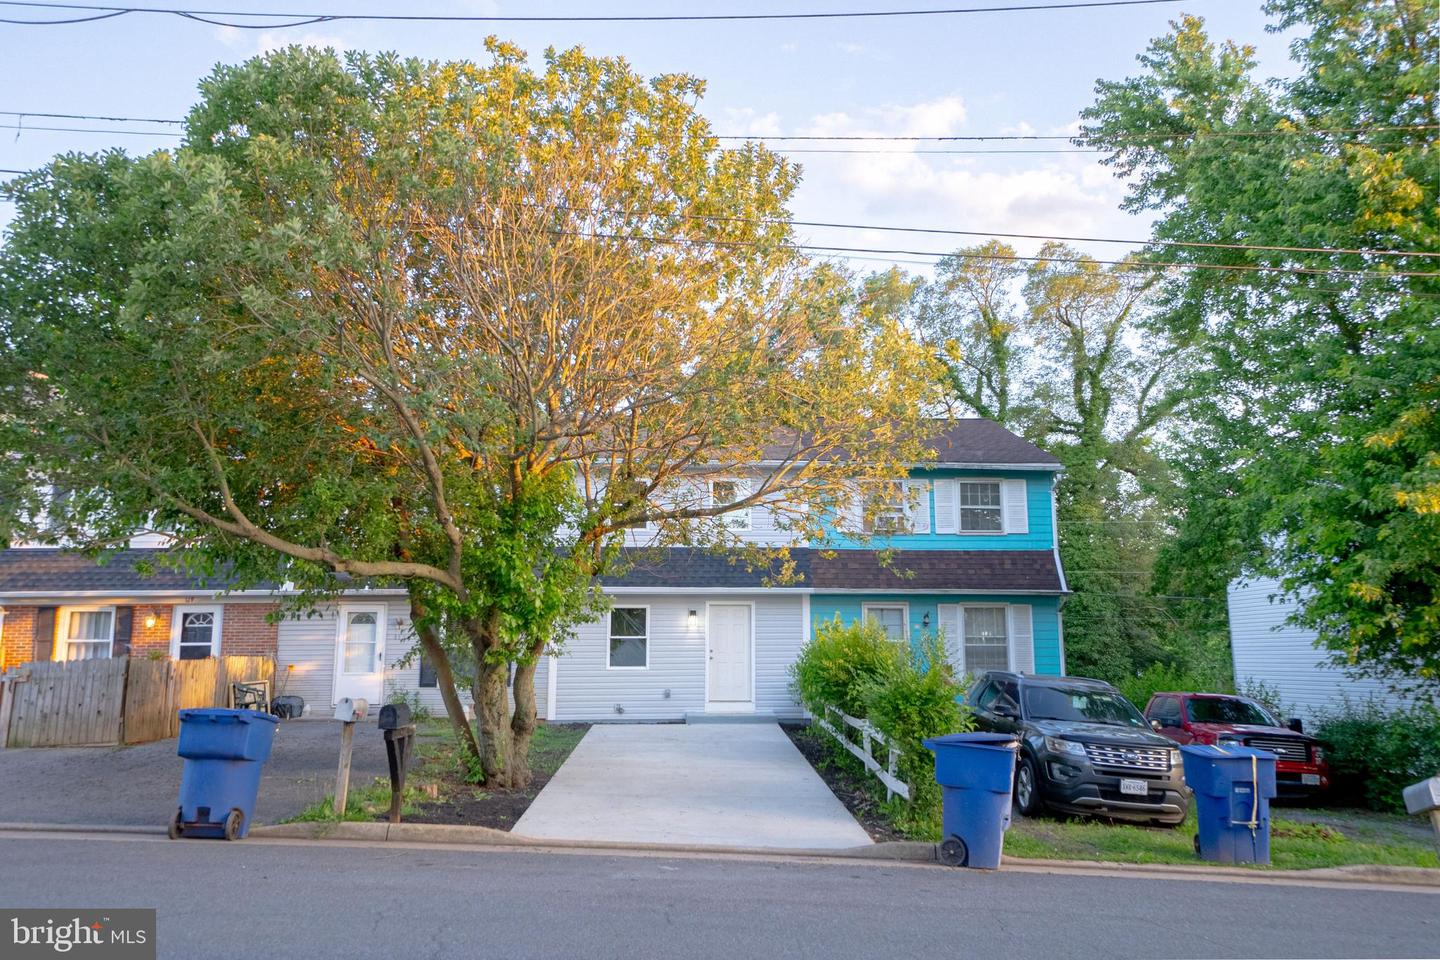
(522, 725)
(444, 679)
(492, 706)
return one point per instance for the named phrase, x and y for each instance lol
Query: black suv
(1083, 748)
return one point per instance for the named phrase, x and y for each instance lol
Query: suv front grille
(1283, 747)
(1150, 760)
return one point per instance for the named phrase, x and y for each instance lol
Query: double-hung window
(885, 513)
(86, 633)
(987, 645)
(980, 506)
(892, 617)
(723, 492)
(629, 638)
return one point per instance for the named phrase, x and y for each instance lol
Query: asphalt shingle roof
(970, 441)
(42, 569)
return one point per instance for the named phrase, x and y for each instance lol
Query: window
(886, 513)
(1227, 710)
(980, 507)
(1167, 711)
(86, 633)
(729, 491)
(362, 637)
(892, 617)
(629, 638)
(987, 647)
(195, 633)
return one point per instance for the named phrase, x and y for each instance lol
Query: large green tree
(447, 325)
(1317, 444)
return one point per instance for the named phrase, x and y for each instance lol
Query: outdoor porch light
(693, 620)
(149, 621)
(925, 620)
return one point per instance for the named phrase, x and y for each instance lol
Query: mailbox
(1423, 797)
(393, 716)
(349, 711)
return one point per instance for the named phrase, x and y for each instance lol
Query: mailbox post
(348, 712)
(399, 730)
(1424, 797)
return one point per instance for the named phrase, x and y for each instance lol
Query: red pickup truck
(1224, 720)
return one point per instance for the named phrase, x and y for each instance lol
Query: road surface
(260, 898)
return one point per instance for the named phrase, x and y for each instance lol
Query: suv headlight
(1067, 748)
(1177, 760)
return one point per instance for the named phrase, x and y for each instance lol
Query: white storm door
(360, 653)
(729, 651)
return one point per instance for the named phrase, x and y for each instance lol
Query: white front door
(729, 637)
(360, 653)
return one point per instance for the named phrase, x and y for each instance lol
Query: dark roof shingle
(40, 570)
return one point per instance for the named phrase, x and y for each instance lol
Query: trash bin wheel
(177, 829)
(954, 853)
(233, 822)
(1196, 844)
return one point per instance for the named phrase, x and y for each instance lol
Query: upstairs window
(723, 492)
(980, 507)
(886, 513)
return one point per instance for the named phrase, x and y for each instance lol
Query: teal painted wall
(1037, 496)
(1045, 616)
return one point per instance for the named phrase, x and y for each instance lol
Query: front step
(731, 718)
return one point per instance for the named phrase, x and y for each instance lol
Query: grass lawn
(441, 788)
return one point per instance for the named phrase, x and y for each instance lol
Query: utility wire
(125, 133)
(305, 19)
(974, 138)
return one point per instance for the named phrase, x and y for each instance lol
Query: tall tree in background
(446, 325)
(1063, 352)
(1317, 447)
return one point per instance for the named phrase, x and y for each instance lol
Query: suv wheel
(1027, 788)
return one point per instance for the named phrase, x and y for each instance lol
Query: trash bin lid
(1209, 751)
(971, 740)
(223, 715)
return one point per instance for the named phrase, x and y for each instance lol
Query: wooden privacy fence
(126, 700)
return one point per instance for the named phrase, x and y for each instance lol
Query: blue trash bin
(975, 772)
(1233, 788)
(224, 752)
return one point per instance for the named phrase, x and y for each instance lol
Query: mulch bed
(855, 790)
(479, 806)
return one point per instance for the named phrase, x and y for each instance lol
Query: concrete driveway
(140, 785)
(740, 785)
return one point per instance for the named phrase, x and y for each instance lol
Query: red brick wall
(17, 636)
(245, 631)
(154, 637)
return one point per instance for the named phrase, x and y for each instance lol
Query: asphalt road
(319, 901)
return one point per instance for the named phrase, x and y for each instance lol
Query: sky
(1027, 72)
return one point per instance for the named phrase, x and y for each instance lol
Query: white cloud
(751, 123)
(250, 43)
(932, 118)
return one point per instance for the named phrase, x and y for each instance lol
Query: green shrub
(911, 705)
(1160, 677)
(1375, 753)
(841, 661)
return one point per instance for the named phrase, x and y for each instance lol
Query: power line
(127, 133)
(305, 19)
(1238, 268)
(973, 138)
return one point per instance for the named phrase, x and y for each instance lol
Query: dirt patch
(855, 790)
(462, 802)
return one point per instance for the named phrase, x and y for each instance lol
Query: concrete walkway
(724, 784)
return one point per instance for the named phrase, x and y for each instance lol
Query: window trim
(900, 507)
(738, 520)
(610, 634)
(960, 510)
(61, 648)
(904, 606)
(177, 618)
(1004, 609)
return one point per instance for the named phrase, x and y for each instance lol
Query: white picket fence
(870, 735)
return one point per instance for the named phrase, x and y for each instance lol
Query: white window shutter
(947, 519)
(1022, 638)
(949, 616)
(852, 511)
(917, 505)
(1016, 510)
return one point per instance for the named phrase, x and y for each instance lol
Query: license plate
(1134, 788)
(1310, 779)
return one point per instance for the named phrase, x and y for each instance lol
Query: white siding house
(1268, 649)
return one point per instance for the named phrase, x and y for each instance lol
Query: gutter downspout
(1059, 568)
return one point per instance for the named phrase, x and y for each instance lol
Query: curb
(908, 851)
